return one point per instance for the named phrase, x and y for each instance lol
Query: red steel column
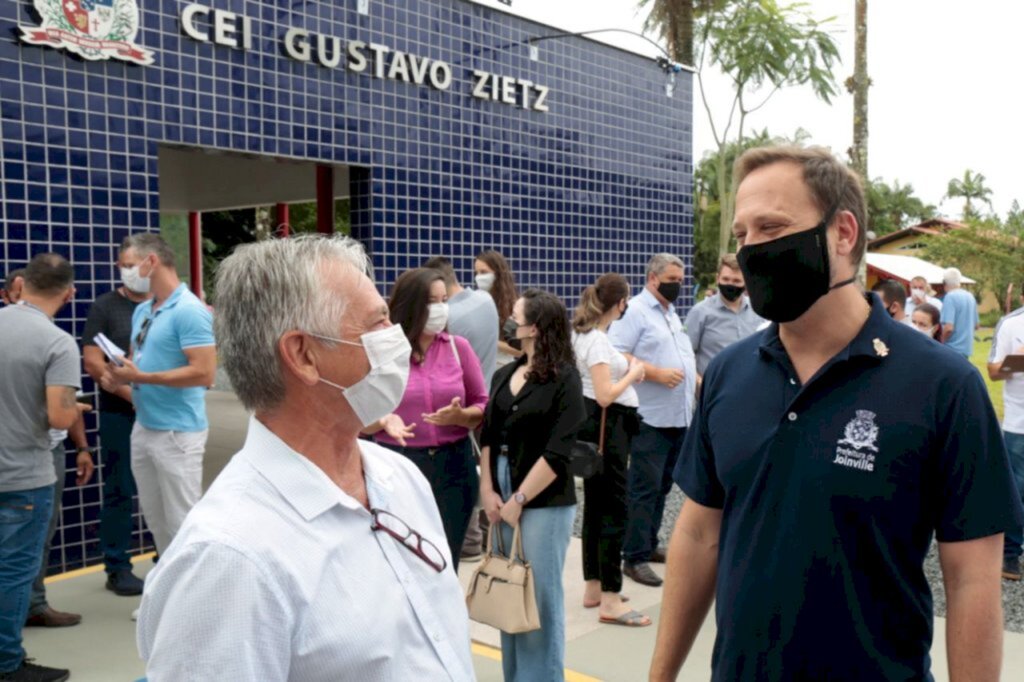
(195, 252)
(284, 229)
(325, 199)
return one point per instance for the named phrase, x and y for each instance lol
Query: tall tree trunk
(684, 50)
(861, 82)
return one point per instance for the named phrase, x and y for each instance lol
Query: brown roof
(932, 226)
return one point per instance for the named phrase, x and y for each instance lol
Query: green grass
(980, 360)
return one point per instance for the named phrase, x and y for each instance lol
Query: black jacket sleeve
(569, 414)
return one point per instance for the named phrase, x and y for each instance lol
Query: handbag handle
(517, 543)
(604, 420)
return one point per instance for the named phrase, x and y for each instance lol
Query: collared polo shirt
(277, 575)
(650, 333)
(831, 493)
(181, 322)
(712, 325)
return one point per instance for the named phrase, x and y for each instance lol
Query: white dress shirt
(277, 575)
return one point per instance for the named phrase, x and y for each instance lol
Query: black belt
(437, 448)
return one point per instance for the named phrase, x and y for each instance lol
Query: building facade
(451, 127)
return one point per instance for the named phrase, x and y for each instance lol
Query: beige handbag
(500, 592)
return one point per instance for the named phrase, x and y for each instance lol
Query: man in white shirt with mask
(315, 556)
(919, 293)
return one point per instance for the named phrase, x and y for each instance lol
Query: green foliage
(760, 42)
(1014, 224)
(971, 187)
(673, 21)
(760, 45)
(893, 207)
(982, 251)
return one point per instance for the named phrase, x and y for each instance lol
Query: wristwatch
(519, 497)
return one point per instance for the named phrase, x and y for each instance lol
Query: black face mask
(508, 331)
(730, 292)
(670, 290)
(787, 275)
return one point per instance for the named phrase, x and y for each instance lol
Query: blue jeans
(1015, 449)
(118, 490)
(37, 599)
(24, 516)
(538, 656)
(451, 471)
(652, 460)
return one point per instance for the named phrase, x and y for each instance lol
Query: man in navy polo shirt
(813, 491)
(173, 362)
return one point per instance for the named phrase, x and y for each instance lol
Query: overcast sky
(946, 86)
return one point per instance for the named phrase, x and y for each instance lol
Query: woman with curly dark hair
(494, 276)
(530, 425)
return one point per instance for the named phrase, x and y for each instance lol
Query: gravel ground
(1013, 592)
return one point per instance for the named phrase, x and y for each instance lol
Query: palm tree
(673, 21)
(970, 187)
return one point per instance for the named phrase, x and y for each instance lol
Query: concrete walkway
(102, 648)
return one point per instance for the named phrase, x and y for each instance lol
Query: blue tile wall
(600, 182)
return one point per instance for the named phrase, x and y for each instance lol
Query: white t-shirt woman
(594, 348)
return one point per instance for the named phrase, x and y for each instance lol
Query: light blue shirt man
(159, 341)
(959, 315)
(653, 332)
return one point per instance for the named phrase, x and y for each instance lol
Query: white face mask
(378, 393)
(484, 281)
(437, 318)
(929, 332)
(917, 294)
(131, 278)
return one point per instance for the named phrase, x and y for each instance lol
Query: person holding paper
(1009, 340)
(173, 361)
(110, 318)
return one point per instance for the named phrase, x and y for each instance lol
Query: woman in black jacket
(533, 415)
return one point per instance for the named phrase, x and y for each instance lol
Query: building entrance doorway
(212, 201)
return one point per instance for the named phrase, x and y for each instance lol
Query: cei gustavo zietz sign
(230, 29)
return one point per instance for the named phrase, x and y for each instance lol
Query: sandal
(632, 619)
(595, 604)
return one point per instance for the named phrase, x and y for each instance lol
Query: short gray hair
(660, 261)
(146, 243)
(951, 277)
(271, 287)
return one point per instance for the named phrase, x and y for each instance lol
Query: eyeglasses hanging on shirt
(426, 550)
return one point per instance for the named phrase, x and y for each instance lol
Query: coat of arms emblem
(861, 432)
(94, 29)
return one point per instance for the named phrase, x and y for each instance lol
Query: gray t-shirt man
(473, 316)
(712, 325)
(37, 354)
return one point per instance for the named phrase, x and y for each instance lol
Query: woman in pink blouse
(443, 401)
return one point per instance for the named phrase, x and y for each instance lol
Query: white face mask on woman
(484, 281)
(437, 318)
(927, 331)
(378, 393)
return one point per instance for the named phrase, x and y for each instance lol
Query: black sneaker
(30, 672)
(124, 583)
(1011, 569)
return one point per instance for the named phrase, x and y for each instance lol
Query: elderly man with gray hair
(959, 314)
(651, 331)
(314, 556)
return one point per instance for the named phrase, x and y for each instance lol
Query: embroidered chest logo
(857, 447)
(94, 29)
